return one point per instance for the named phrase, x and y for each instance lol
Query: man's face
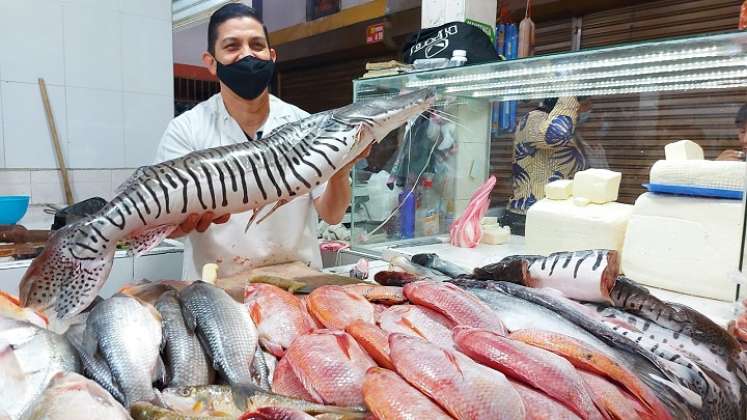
(238, 38)
(742, 134)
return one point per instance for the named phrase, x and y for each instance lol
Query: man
(240, 56)
(545, 150)
(741, 123)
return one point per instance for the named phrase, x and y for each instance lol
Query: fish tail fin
(66, 277)
(243, 393)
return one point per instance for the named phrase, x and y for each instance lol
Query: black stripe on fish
(307, 163)
(211, 188)
(84, 246)
(142, 219)
(552, 268)
(314, 149)
(281, 171)
(344, 143)
(81, 258)
(142, 200)
(598, 262)
(98, 232)
(544, 262)
(222, 180)
(270, 175)
(330, 146)
(120, 225)
(568, 259)
(232, 175)
(184, 182)
(120, 201)
(292, 166)
(257, 180)
(242, 177)
(578, 264)
(192, 174)
(163, 188)
(170, 180)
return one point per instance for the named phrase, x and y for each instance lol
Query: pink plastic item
(466, 232)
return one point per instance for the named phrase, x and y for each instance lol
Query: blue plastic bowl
(12, 208)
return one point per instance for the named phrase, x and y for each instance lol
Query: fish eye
(184, 392)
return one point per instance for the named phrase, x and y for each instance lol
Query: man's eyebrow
(228, 40)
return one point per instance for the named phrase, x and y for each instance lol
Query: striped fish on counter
(288, 163)
(582, 275)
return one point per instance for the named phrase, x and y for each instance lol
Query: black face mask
(248, 77)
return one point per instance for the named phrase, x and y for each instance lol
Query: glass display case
(676, 219)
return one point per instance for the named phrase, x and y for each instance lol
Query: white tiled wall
(109, 73)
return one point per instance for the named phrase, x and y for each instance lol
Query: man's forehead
(240, 26)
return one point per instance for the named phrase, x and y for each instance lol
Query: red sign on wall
(374, 33)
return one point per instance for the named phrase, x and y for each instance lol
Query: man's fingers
(189, 224)
(205, 221)
(222, 219)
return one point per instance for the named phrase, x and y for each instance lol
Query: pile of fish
(470, 347)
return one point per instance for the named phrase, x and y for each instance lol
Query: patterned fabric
(545, 150)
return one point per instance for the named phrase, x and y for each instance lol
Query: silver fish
(30, 357)
(186, 360)
(127, 336)
(285, 165)
(260, 369)
(417, 269)
(437, 263)
(94, 366)
(224, 328)
(71, 396)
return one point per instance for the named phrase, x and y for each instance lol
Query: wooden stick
(56, 142)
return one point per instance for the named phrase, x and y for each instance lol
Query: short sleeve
(175, 142)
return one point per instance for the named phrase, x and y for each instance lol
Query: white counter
(162, 262)
(469, 258)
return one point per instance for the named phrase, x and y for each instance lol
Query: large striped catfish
(288, 163)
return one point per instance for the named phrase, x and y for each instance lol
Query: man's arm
(335, 199)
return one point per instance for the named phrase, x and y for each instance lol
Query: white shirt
(290, 234)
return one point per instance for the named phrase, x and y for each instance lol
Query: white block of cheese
(685, 244)
(598, 185)
(683, 150)
(724, 175)
(555, 225)
(559, 190)
(495, 234)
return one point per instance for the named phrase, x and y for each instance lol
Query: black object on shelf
(77, 211)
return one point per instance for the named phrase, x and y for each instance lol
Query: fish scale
(187, 361)
(224, 328)
(127, 335)
(236, 178)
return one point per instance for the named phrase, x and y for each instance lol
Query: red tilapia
(539, 368)
(374, 340)
(612, 399)
(387, 295)
(464, 388)
(420, 322)
(389, 397)
(460, 306)
(279, 316)
(330, 365)
(541, 407)
(285, 382)
(334, 307)
(584, 357)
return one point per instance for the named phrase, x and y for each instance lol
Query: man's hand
(199, 222)
(733, 155)
(333, 202)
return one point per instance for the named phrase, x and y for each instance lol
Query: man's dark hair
(741, 118)
(230, 11)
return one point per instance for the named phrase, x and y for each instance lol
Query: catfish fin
(145, 239)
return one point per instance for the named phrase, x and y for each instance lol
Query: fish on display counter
(186, 361)
(224, 328)
(286, 164)
(127, 336)
(581, 275)
(396, 278)
(30, 356)
(335, 307)
(72, 396)
(433, 261)
(388, 396)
